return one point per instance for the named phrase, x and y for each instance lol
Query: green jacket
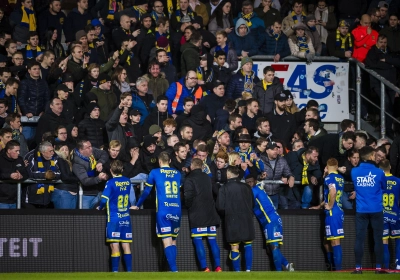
(189, 58)
(107, 102)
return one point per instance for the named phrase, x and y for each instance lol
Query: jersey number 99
(171, 187)
(123, 201)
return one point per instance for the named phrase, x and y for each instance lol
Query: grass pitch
(196, 276)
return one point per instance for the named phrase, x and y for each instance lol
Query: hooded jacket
(202, 128)
(256, 22)
(243, 43)
(266, 97)
(157, 86)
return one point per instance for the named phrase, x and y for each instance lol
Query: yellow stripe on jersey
(334, 237)
(149, 185)
(262, 209)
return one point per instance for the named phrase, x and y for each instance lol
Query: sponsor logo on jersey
(115, 234)
(124, 223)
(386, 232)
(166, 204)
(277, 234)
(176, 230)
(201, 229)
(366, 181)
(328, 230)
(395, 232)
(340, 231)
(128, 235)
(165, 229)
(171, 217)
(213, 228)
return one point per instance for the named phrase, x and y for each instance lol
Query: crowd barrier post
(358, 100)
(80, 197)
(383, 93)
(19, 194)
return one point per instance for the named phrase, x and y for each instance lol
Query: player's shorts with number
(391, 230)
(119, 231)
(274, 232)
(334, 224)
(204, 231)
(168, 224)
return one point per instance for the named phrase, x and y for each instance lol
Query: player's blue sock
(397, 253)
(386, 256)
(329, 257)
(200, 252)
(214, 250)
(248, 256)
(276, 253)
(128, 262)
(235, 257)
(171, 257)
(115, 262)
(337, 257)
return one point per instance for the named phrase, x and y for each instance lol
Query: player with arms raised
(333, 189)
(168, 205)
(391, 214)
(116, 198)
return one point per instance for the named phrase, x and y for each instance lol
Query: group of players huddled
(237, 201)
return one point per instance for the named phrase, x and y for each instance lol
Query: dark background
(74, 240)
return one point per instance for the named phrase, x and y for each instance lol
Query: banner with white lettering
(326, 82)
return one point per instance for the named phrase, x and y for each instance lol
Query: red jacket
(363, 42)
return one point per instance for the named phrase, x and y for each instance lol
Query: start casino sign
(326, 82)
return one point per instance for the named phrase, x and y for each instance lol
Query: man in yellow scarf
(23, 20)
(297, 15)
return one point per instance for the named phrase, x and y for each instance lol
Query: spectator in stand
(9, 94)
(65, 194)
(142, 100)
(158, 85)
(222, 18)
(361, 140)
(274, 42)
(268, 13)
(351, 11)
(76, 20)
(107, 13)
(200, 9)
(158, 11)
(333, 146)
(311, 32)
(16, 65)
(392, 33)
(23, 21)
(4, 23)
(375, 15)
(13, 121)
(42, 164)
(300, 44)
(263, 130)
(249, 118)
(177, 92)
(341, 43)
(92, 127)
(5, 137)
(244, 80)
(186, 134)
(146, 41)
(106, 100)
(47, 60)
(255, 24)
(148, 153)
(178, 159)
(139, 9)
(383, 10)
(202, 128)
(52, 119)
(312, 130)
(364, 38)
(348, 195)
(301, 115)
(32, 51)
(11, 48)
(296, 16)
(188, 104)
(77, 65)
(158, 115)
(243, 42)
(119, 82)
(283, 124)
(214, 101)
(12, 168)
(231, 59)
(380, 154)
(326, 22)
(218, 168)
(52, 18)
(165, 66)
(221, 67)
(87, 165)
(33, 95)
(190, 53)
(124, 32)
(266, 90)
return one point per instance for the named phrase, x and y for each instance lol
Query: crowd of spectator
(128, 79)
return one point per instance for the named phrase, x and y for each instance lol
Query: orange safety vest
(197, 96)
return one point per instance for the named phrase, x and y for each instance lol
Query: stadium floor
(196, 275)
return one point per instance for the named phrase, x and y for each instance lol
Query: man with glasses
(177, 92)
(158, 10)
(375, 15)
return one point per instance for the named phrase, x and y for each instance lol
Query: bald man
(123, 32)
(364, 38)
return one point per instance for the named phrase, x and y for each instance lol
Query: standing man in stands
(369, 181)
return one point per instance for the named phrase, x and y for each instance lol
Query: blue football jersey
(263, 209)
(337, 181)
(168, 183)
(391, 195)
(116, 197)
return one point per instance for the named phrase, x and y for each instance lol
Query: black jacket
(212, 103)
(219, 177)
(394, 156)
(8, 191)
(75, 21)
(93, 130)
(49, 121)
(250, 123)
(116, 131)
(296, 164)
(282, 126)
(202, 128)
(46, 20)
(199, 200)
(328, 146)
(76, 70)
(236, 200)
(33, 95)
(155, 117)
(146, 41)
(149, 161)
(266, 97)
(386, 69)
(70, 181)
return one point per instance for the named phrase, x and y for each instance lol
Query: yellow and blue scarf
(304, 175)
(200, 76)
(128, 59)
(114, 7)
(341, 41)
(170, 7)
(248, 82)
(13, 101)
(179, 16)
(92, 163)
(266, 84)
(29, 52)
(247, 18)
(28, 19)
(41, 187)
(139, 12)
(155, 16)
(302, 43)
(294, 17)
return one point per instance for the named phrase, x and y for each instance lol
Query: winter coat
(266, 97)
(270, 46)
(294, 47)
(20, 33)
(75, 69)
(219, 177)
(143, 107)
(106, 100)
(269, 17)
(8, 191)
(282, 126)
(33, 95)
(93, 130)
(155, 117)
(315, 38)
(116, 131)
(202, 128)
(243, 43)
(235, 200)
(46, 20)
(212, 103)
(231, 58)
(170, 72)
(393, 38)
(328, 147)
(221, 119)
(75, 21)
(363, 42)
(199, 200)
(157, 86)
(146, 41)
(189, 58)
(70, 181)
(235, 85)
(296, 164)
(49, 121)
(336, 50)
(280, 170)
